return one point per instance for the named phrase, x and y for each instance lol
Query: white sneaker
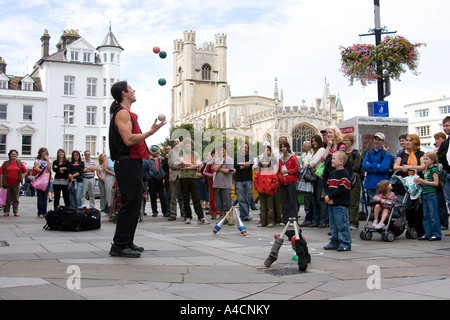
(374, 223)
(203, 221)
(187, 221)
(380, 226)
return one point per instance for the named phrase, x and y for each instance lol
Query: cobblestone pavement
(189, 262)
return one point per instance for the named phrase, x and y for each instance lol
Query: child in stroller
(385, 198)
(396, 217)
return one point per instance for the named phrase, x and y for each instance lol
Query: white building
(64, 102)
(201, 94)
(425, 118)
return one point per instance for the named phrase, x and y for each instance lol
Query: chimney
(69, 36)
(45, 43)
(2, 66)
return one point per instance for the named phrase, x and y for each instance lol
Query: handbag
(305, 187)
(309, 175)
(320, 171)
(42, 180)
(3, 194)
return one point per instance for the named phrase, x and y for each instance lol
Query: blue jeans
(431, 223)
(42, 199)
(244, 194)
(75, 198)
(340, 227)
(447, 190)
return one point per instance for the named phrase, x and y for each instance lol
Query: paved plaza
(189, 262)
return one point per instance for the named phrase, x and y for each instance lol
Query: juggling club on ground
(241, 226)
(273, 255)
(219, 224)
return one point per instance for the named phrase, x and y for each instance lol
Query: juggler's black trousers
(129, 178)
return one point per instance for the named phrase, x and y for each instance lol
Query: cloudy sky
(296, 41)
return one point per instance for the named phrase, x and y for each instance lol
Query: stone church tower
(201, 95)
(200, 75)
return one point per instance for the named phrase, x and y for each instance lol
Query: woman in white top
(320, 211)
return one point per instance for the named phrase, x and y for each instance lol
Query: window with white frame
(3, 84)
(69, 114)
(444, 110)
(3, 111)
(69, 85)
(91, 144)
(423, 131)
(68, 143)
(2, 143)
(87, 56)
(27, 113)
(103, 144)
(104, 116)
(91, 115)
(91, 87)
(422, 113)
(74, 56)
(105, 86)
(26, 145)
(27, 85)
(105, 57)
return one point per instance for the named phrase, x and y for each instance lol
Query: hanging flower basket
(358, 63)
(393, 54)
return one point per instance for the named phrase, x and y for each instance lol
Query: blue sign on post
(380, 109)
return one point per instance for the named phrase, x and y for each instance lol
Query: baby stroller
(116, 203)
(396, 220)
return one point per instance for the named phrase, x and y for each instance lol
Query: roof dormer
(81, 51)
(26, 84)
(4, 81)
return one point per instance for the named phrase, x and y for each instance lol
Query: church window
(300, 135)
(206, 72)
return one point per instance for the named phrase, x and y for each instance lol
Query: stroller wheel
(388, 236)
(411, 233)
(365, 235)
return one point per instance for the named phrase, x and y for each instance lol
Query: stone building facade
(201, 95)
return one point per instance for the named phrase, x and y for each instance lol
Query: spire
(326, 94)
(276, 95)
(110, 40)
(339, 106)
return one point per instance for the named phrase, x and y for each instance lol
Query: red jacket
(292, 166)
(266, 182)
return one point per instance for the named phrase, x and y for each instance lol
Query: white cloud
(297, 41)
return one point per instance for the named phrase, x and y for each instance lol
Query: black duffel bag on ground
(72, 219)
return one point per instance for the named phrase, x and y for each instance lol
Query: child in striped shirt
(430, 182)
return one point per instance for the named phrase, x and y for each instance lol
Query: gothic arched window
(206, 72)
(301, 134)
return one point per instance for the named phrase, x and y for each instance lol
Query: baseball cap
(379, 135)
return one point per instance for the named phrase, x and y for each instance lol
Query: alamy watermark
(374, 280)
(74, 280)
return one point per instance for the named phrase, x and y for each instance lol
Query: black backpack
(72, 219)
